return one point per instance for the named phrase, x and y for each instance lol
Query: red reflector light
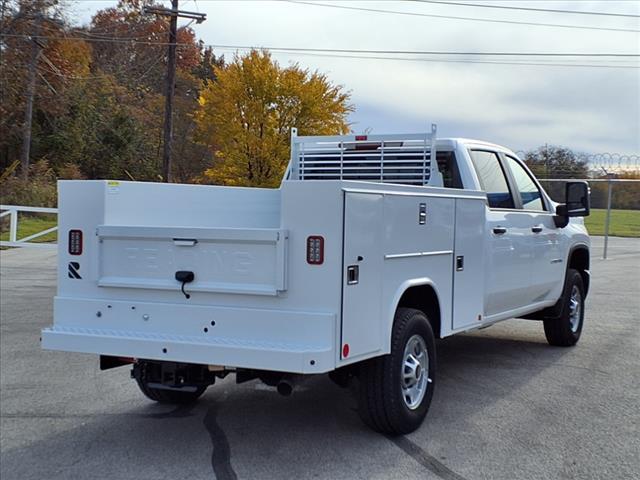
(75, 242)
(315, 250)
(345, 350)
(361, 138)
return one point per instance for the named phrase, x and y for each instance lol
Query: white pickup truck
(368, 252)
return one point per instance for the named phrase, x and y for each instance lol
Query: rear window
(448, 166)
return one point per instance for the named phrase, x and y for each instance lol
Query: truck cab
(525, 250)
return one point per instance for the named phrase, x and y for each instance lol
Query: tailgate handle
(185, 276)
(185, 242)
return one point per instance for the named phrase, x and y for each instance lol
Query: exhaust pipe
(286, 385)
(284, 388)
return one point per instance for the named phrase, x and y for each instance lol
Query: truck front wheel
(565, 330)
(395, 390)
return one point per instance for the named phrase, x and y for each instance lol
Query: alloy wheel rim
(415, 372)
(575, 308)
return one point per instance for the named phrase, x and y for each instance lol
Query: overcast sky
(588, 109)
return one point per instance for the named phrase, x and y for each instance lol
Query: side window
(529, 191)
(492, 178)
(448, 166)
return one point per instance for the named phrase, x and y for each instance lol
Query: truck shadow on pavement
(247, 431)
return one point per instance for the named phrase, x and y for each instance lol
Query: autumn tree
(26, 89)
(245, 117)
(130, 45)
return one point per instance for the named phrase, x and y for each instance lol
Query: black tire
(382, 405)
(161, 395)
(176, 397)
(565, 330)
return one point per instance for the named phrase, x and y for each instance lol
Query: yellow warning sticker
(113, 186)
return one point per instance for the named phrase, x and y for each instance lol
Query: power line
(452, 17)
(439, 60)
(56, 71)
(125, 40)
(432, 52)
(347, 50)
(529, 9)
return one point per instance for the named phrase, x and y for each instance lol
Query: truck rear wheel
(565, 330)
(396, 389)
(177, 396)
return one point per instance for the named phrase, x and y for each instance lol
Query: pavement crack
(429, 462)
(221, 454)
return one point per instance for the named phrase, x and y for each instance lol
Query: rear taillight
(75, 242)
(315, 250)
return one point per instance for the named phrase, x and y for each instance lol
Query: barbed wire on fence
(603, 162)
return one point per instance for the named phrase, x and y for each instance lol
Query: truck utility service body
(309, 278)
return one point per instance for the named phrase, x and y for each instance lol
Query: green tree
(245, 117)
(625, 195)
(103, 132)
(551, 161)
(205, 69)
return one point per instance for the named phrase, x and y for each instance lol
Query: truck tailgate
(223, 260)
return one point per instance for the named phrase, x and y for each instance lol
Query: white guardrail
(12, 211)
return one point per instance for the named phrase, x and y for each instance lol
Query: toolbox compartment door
(362, 274)
(469, 263)
(223, 260)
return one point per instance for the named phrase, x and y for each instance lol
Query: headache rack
(394, 158)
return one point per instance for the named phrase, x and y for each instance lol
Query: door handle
(185, 242)
(536, 229)
(353, 274)
(499, 230)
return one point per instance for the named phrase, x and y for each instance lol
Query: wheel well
(579, 260)
(425, 299)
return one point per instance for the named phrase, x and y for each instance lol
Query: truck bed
(256, 302)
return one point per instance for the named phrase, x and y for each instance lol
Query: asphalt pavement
(506, 406)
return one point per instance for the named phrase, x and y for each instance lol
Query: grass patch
(28, 225)
(624, 223)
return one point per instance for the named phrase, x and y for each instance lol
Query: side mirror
(577, 203)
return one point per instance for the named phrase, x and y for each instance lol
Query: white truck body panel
(256, 302)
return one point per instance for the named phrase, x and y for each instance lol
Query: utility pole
(170, 83)
(36, 49)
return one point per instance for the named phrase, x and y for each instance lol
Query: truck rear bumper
(278, 340)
